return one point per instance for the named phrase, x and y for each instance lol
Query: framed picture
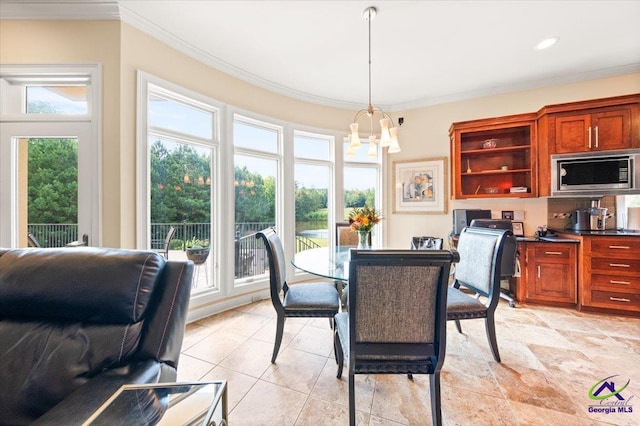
(518, 229)
(507, 214)
(420, 186)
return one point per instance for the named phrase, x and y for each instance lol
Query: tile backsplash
(559, 210)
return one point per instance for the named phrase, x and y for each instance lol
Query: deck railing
(249, 255)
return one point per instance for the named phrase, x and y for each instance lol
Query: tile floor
(551, 357)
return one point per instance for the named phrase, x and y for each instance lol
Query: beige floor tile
(402, 400)
(471, 374)
(268, 404)
(530, 415)
(192, 369)
(469, 408)
(238, 384)
(295, 370)
(217, 346)
(252, 358)
(551, 357)
(532, 387)
(314, 340)
(318, 412)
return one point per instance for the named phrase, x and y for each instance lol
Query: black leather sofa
(77, 323)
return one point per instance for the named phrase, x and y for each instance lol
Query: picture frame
(518, 229)
(420, 186)
(507, 214)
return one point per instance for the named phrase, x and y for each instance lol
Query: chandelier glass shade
(388, 131)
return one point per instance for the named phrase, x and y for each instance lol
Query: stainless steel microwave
(595, 173)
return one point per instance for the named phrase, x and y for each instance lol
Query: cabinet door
(551, 273)
(552, 282)
(572, 133)
(612, 130)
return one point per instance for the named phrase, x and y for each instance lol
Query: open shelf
(475, 168)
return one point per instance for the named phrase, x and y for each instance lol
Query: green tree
(255, 196)
(53, 181)
(172, 198)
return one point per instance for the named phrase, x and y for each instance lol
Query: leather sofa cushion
(98, 285)
(46, 361)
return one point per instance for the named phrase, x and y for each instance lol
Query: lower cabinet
(611, 273)
(548, 273)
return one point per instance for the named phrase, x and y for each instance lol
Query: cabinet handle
(589, 130)
(619, 299)
(557, 253)
(619, 265)
(620, 247)
(596, 136)
(620, 282)
(538, 271)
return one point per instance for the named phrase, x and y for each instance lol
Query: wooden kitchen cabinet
(587, 126)
(550, 273)
(610, 277)
(478, 172)
(607, 130)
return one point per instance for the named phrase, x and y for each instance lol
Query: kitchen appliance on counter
(581, 220)
(589, 219)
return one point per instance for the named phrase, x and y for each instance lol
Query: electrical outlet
(561, 215)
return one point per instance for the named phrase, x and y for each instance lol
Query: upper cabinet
(494, 157)
(596, 125)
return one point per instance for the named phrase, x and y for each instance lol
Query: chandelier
(388, 131)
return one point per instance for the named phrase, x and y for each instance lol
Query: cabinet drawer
(613, 300)
(615, 283)
(553, 252)
(616, 266)
(616, 246)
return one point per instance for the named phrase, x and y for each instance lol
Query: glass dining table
(327, 262)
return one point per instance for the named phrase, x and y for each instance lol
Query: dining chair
(32, 240)
(315, 299)
(345, 236)
(164, 251)
(396, 322)
(426, 243)
(481, 251)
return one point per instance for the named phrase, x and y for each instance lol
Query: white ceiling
(423, 52)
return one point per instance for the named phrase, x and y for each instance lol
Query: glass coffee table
(165, 404)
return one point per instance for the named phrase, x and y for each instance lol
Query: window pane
(251, 136)
(359, 187)
(255, 209)
(181, 197)
(360, 154)
(311, 190)
(56, 100)
(177, 116)
(310, 147)
(52, 188)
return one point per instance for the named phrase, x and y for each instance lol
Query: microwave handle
(589, 130)
(596, 128)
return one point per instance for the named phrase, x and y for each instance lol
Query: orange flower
(363, 218)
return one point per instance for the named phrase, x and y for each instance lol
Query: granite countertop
(606, 232)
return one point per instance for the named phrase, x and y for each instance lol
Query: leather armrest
(80, 404)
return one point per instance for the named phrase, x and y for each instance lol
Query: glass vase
(363, 240)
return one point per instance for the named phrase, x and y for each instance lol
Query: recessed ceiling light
(546, 43)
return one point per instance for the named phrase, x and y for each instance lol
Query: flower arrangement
(363, 218)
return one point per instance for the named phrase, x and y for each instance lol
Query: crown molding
(512, 88)
(59, 10)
